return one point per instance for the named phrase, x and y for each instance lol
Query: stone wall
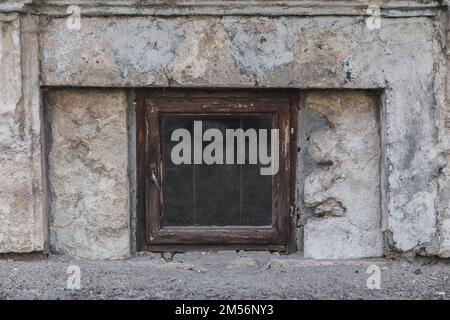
(340, 176)
(442, 242)
(87, 169)
(23, 226)
(396, 75)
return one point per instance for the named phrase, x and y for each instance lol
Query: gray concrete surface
(224, 275)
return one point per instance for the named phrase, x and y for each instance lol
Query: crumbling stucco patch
(87, 167)
(341, 189)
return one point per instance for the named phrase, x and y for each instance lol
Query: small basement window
(216, 169)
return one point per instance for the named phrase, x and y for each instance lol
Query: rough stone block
(87, 168)
(21, 218)
(342, 187)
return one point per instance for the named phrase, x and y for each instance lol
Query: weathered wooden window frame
(281, 236)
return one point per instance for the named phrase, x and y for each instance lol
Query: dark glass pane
(216, 194)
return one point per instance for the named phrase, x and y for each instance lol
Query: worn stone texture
(87, 168)
(341, 176)
(13, 5)
(235, 51)
(390, 8)
(442, 247)
(404, 60)
(298, 52)
(22, 226)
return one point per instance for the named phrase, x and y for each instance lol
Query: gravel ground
(224, 275)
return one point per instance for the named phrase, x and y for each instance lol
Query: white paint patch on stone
(343, 190)
(87, 168)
